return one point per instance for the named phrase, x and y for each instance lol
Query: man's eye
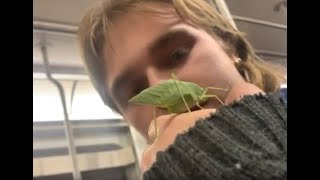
(135, 91)
(180, 53)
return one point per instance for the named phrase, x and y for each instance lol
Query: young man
(130, 45)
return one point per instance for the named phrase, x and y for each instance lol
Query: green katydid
(174, 95)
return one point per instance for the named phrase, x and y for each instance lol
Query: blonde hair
(93, 32)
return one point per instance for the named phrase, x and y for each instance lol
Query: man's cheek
(148, 157)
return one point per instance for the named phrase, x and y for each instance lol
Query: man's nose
(155, 77)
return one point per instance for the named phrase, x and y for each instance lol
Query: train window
(85, 104)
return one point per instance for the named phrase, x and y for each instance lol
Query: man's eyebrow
(120, 81)
(163, 40)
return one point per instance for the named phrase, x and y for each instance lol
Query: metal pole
(223, 8)
(260, 22)
(73, 90)
(54, 32)
(68, 128)
(55, 28)
(271, 53)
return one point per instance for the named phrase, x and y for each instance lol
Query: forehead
(131, 35)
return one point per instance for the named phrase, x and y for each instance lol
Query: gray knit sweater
(244, 140)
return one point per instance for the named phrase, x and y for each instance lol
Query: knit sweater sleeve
(243, 140)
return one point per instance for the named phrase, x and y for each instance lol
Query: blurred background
(95, 142)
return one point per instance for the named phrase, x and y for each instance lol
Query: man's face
(144, 49)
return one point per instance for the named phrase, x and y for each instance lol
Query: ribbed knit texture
(244, 140)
